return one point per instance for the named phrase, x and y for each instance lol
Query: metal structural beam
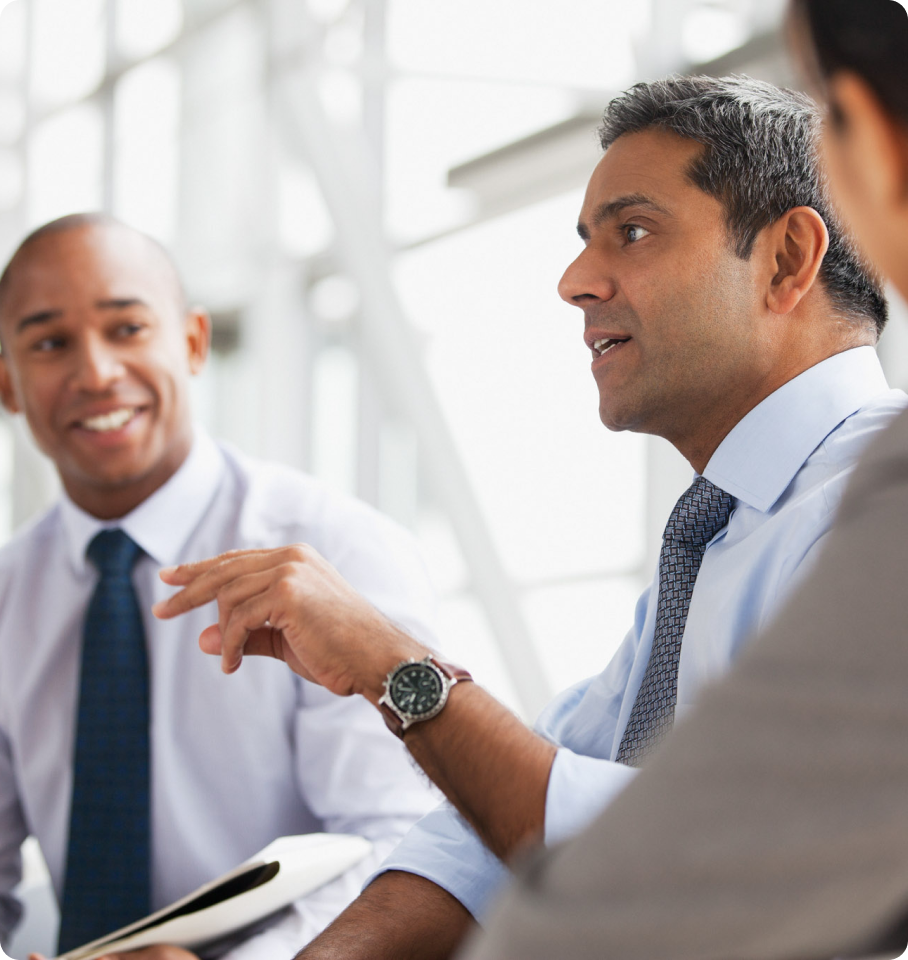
(340, 160)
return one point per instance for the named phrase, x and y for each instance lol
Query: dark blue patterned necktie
(698, 516)
(108, 863)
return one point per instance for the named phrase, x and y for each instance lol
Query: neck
(715, 422)
(116, 499)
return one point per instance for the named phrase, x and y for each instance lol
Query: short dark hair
(760, 160)
(870, 38)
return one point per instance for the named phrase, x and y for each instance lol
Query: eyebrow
(45, 316)
(609, 211)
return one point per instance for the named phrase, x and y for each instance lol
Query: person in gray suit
(776, 825)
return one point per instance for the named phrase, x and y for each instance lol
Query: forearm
(492, 767)
(400, 916)
(291, 604)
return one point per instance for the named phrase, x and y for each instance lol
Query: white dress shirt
(236, 761)
(786, 463)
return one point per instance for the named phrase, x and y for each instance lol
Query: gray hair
(759, 160)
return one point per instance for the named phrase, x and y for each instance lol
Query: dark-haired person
(98, 349)
(725, 311)
(774, 828)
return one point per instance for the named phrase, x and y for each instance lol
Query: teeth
(602, 346)
(110, 421)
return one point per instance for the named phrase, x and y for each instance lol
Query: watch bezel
(406, 718)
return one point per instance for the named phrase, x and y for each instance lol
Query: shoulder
(31, 542)
(828, 469)
(857, 431)
(883, 470)
(281, 504)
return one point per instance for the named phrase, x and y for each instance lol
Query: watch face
(416, 689)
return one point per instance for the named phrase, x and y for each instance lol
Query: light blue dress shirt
(236, 761)
(786, 463)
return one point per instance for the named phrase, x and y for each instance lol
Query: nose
(587, 279)
(98, 366)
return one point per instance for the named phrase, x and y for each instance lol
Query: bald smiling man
(98, 348)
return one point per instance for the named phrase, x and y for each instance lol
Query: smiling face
(97, 354)
(674, 319)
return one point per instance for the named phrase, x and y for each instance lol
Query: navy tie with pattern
(700, 513)
(107, 880)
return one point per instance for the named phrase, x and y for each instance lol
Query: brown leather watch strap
(395, 724)
(451, 670)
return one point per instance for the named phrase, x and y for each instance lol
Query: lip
(601, 360)
(76, 421)
(105, 439)
(590, 336)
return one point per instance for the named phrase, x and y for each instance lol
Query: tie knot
(700, 513)
(114, 553)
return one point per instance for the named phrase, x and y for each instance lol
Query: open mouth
(108, 422)
(601, 347)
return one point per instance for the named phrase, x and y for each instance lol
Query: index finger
(203, 580)
(185, 573)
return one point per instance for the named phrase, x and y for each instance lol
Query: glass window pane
(304, 222)
(143, 27)
(12, 116)
(12, 38)
(433, 125)
(146, 148)
(465, 637)
(203, 8)
(224, 60)
(334, 417)
(577, 627)
(67, 49)
(572, 43)
(562, 495)
(226, 188)
(65, 162)
(10, 178)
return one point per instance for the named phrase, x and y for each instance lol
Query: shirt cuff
(443, 848)
(579, 789)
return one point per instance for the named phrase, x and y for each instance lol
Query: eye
(48, 344)
(129, 328)
(633, 233)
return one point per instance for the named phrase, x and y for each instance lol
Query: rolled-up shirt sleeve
(443, 848)
(579, 789)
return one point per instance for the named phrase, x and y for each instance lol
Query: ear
(871, 146)
(798, 241)
(7, 394)
(198, 338)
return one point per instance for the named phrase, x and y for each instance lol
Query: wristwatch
(417, 690)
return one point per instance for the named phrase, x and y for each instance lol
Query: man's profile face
(659, 277)
(97, 354)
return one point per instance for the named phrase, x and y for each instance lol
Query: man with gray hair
(726, 311)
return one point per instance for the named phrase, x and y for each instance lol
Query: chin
(613, 420)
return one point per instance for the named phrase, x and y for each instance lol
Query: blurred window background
(376, 199)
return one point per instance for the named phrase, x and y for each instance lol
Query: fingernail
(165, 570)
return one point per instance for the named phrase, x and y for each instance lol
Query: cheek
(40, 401)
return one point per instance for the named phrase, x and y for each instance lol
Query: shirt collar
(163, 522)
(764, 451)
